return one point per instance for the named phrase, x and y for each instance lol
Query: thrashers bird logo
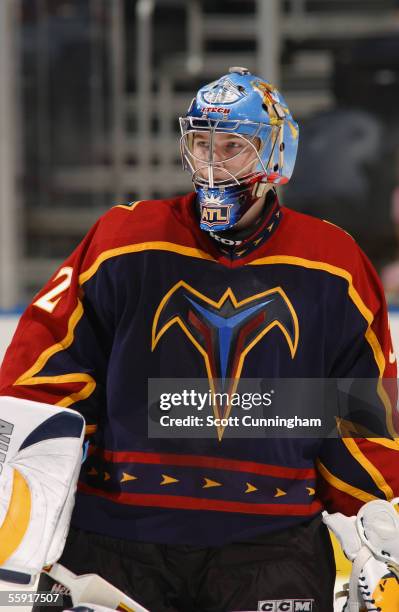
(225, 331)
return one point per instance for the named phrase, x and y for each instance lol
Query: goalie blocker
(40, 458)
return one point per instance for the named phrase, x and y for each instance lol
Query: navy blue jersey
(145, 295)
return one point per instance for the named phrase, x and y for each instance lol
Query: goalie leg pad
(40, 455)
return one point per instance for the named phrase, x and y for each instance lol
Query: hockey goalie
(222, 284)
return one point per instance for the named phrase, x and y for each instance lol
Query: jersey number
(49, 300)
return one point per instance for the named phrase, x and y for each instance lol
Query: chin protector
(221, 208)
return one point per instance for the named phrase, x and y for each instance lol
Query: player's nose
(218, 155)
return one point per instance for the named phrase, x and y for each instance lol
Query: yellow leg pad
(344, 567)
(17, 518)
(386, 594)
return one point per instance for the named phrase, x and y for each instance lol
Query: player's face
(229, 154)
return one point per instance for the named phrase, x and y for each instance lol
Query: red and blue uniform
(141, 297)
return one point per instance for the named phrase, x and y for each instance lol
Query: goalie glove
(40, 454)
(371, 541)
(377, 524)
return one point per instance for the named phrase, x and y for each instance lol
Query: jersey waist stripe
(205, 461)
(194, 503)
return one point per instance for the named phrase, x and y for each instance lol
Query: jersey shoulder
(147, 220)
(320, 240)
(136, 227)
(141, 223)
(315, 243)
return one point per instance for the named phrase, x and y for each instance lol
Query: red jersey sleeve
(58, 353)
(355, 470)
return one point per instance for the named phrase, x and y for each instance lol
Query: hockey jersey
(141, 298)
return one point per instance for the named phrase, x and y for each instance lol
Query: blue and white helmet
(245, 106)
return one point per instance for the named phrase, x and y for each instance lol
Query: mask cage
(261, 138)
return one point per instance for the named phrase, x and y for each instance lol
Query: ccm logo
(286, 605)
(5, 433)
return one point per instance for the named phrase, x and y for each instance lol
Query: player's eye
(234, 145)
(202, 144)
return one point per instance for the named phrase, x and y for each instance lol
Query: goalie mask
(238, 135)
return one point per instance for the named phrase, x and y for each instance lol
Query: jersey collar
(236, 245)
